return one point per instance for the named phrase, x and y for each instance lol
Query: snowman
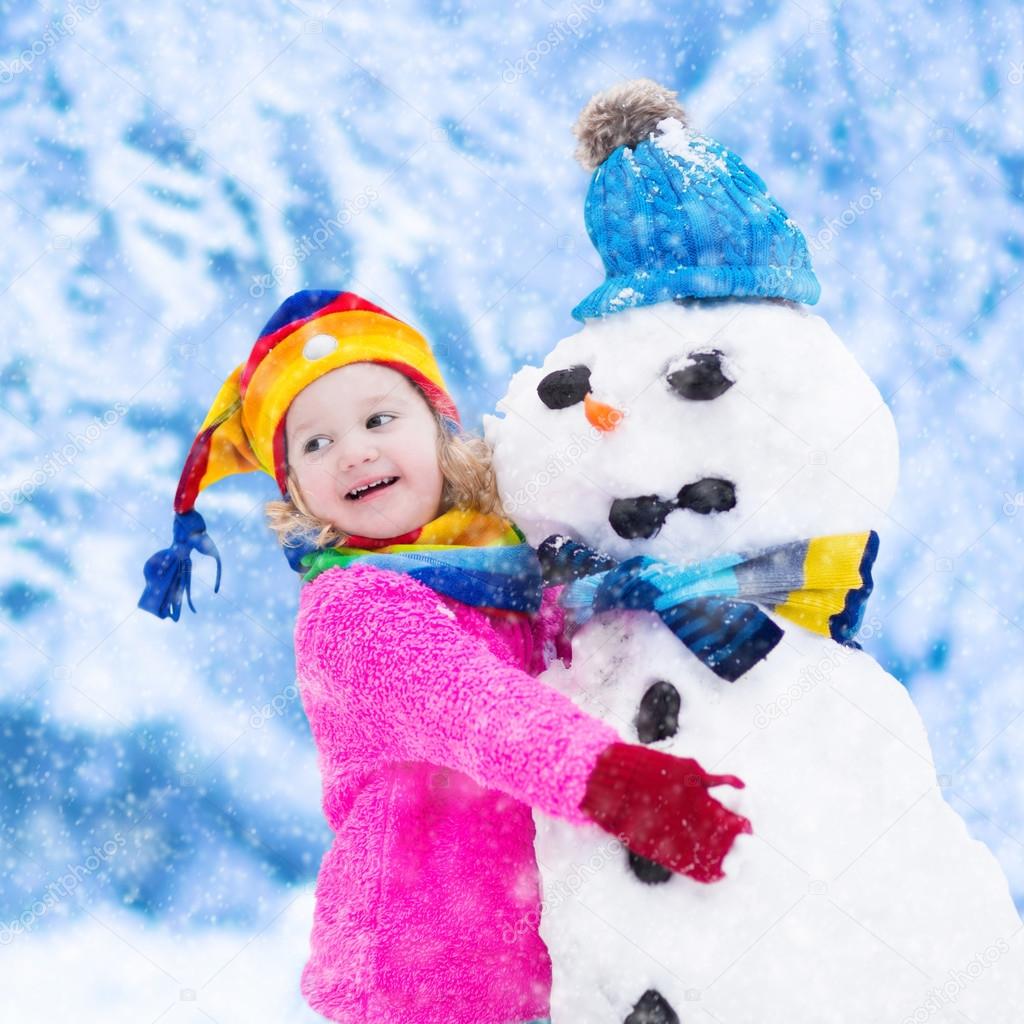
(703, 465)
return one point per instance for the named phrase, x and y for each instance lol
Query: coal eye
(711, 494)
(703, 379)
(563, 388)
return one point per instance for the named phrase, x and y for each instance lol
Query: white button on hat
(318, 346)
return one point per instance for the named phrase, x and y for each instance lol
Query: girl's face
(362, 445)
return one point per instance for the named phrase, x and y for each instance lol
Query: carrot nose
(604, 417)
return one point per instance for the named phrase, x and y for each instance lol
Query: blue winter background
(171, 171)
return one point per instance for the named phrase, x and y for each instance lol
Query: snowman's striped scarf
(713, 606)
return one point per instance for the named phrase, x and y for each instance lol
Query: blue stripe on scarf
(493, 577)
(698, 603)
(712, 606)
(713, 578)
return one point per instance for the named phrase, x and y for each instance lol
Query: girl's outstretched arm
(415, 681)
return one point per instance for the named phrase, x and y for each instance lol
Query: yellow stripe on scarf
(467, 528)
(456, 528)
(831, 571)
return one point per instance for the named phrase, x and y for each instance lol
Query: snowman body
(860, 896)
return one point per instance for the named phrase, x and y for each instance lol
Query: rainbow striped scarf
(712, 606)
(478, 559)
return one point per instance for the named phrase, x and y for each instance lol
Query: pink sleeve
(392, 660)
(555, 622)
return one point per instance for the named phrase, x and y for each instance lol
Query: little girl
(421, 626)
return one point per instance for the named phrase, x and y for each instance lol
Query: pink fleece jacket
(434, 741)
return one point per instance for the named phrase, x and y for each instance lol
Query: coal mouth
(642, 518)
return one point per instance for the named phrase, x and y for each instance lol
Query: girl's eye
(379, 419)
(563, 388)
(313, 440)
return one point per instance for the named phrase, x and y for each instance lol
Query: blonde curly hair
(467, 467)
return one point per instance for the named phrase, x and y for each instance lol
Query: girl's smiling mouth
(368, 488)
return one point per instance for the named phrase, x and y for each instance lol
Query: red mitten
(659, 806)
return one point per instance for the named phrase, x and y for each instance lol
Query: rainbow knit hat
(312, 333)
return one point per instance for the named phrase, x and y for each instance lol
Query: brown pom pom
(623, 115)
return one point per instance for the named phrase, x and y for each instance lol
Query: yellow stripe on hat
(361, 336)
(831, 571)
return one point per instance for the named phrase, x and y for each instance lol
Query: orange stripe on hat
(319, 346)
(344, 302)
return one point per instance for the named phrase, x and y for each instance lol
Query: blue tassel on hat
(169, 572)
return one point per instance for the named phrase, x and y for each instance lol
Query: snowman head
(684, 429)
(700, 409)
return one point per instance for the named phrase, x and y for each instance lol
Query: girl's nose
(604, 417)
(355, 453)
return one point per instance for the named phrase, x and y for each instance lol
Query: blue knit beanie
(675, 214)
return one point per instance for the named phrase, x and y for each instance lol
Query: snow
(148, 191)
(806, 464)
(118, 968)
(698, 155)
(853, 838)
(852, 841)
(625, 296)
